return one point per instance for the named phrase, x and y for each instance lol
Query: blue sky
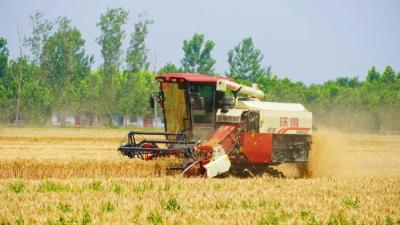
(309, 41)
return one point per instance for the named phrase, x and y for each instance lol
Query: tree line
(58, 78)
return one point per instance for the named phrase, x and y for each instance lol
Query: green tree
(169, 68)
(33, 97)
(4, 53)
(380, 95)
(65, 64)
(245, 61)
(135, 92)
(372, 93)
(197, 55)
(41, 29)
(388, 75)
(110, 40)
(352, 82)
(136, 56)
(92, 87)
(373, 75)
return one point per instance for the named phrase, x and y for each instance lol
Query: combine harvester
(215, 125)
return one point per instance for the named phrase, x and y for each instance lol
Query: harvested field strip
(60, 139)
(71, 132)
(40, 169)
(57, 147)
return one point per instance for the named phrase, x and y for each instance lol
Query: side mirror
(154, 98)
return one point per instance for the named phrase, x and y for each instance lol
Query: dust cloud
(348, 154)
(329, 154)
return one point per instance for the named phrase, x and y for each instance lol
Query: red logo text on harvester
(289, 122)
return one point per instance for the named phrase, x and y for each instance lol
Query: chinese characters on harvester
(289, 122)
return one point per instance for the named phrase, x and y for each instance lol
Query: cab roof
(190, 77)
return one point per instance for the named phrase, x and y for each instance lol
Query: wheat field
(75, 176)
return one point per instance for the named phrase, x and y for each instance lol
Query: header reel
(194, 154)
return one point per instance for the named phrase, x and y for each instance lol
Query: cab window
(202, 103)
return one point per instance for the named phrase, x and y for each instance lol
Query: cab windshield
(202, 103)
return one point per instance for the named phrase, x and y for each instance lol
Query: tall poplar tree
(197, 55)
(136, 56)
(65, 64)
(110, 40)
(245, 61)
